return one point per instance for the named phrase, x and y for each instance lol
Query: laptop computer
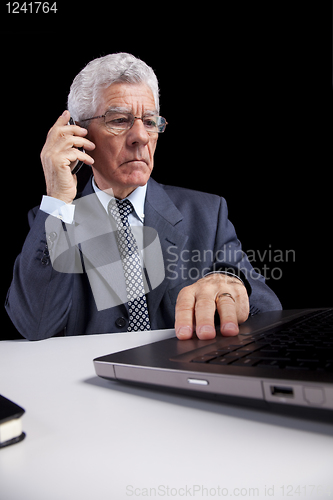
(279, 360)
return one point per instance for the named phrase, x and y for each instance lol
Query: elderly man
(205, 277)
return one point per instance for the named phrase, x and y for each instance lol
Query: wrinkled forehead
(130, 98)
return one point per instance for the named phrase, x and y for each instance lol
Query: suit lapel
(162, 215)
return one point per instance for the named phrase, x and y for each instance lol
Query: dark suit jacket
(195, 236)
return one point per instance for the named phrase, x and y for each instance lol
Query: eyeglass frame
(127, 113)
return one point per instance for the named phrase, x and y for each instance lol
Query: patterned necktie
(130, 257)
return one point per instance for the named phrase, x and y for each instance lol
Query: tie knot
(120, 209)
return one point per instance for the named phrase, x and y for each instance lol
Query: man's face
(123, 160)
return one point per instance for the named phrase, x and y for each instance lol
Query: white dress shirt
(137, 198)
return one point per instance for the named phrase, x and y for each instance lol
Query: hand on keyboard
(196, 306)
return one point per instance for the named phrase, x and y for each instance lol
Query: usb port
(284, 392)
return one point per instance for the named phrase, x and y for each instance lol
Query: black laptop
(280, 359)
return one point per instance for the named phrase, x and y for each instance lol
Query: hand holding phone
(65, 146)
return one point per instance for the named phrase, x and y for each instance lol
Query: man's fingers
(226, 308)
(184, 323)
(197, 304)
(204, 315)
(63, 119)
(80, 142)
(88, 160)
(75, 154)
(195, 309)
(75, 130)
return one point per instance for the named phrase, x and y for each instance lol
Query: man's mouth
(135, 160)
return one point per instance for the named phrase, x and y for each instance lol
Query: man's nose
(137, 133)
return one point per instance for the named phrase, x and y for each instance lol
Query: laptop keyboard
(303, 344)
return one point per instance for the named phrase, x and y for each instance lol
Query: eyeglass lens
(124, 121)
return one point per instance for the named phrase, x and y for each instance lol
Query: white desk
(90, 439)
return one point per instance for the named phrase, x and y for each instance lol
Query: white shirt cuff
(58, 208)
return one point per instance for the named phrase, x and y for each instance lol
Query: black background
(257, 70)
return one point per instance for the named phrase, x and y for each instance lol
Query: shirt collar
(137, 198)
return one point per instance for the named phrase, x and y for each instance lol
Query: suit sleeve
(40, 298)
(229, 256)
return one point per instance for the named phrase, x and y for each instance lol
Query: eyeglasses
(115, 120)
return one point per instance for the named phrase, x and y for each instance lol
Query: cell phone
(79, 163)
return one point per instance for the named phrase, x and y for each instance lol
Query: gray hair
(84, 95)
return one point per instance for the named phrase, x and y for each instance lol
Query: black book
(10, 422)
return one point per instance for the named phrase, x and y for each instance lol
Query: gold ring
(225, 295)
